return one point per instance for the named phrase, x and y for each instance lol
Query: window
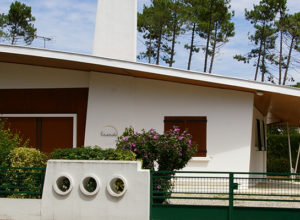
(196, 126)
(260, 137)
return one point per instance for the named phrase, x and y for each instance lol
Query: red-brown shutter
(170, 122)
(196, 126)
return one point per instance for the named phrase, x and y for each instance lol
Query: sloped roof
(279, 103)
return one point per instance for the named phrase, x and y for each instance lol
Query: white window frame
(74, 116)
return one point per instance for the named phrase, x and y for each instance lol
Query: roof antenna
(45, 39)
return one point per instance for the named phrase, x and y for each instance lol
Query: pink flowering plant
(171, 150)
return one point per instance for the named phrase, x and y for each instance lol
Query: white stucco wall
(133, 205)
(115, 29)
(20, 209)
(19, 76)
(122, 101)
(258, 159)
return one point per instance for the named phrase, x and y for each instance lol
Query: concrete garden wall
(80, 204)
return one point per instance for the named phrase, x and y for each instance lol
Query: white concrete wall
(20, 209)
(133, 205)
(115, 30)
(122, 101)
(19, 76)
(258, 159)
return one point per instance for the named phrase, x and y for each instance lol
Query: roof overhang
(279, 103)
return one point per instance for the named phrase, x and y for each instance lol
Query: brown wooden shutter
(196, 126)
(170, 122)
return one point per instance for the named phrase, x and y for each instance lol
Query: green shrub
(92, 153)
(278, 165)
(278, 152)
(27, 157)
(8, 142)
(24, 180)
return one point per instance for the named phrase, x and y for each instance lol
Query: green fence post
(231, 188)
(151, 193)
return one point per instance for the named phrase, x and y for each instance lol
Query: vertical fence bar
(231, 188)
(42, 176)
(151, 193)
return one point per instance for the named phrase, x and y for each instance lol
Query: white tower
(115, 30)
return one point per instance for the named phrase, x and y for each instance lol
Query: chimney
(115, 30)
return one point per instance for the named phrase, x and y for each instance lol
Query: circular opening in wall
(117, 186)
(63, 185)
(90, 185)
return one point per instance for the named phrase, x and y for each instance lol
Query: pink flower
(125, 139)
(158, 187)
(145, 155)
(176, 130)
(132, 145)
(189, 141)
(136, 133)
(134, 149)
(151, 130)
(155, 137)
(180, 138)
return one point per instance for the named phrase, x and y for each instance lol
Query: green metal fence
(21, 182)
(226, 191)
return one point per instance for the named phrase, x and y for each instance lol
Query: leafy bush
(19, 181)
(92, 153)
(171, 150)
(27, 157)
(8, 142)
(278, 152)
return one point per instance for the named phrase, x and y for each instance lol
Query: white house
(61, 99)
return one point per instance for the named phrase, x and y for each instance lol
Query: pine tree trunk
(192, 47)
(158, 46)
(263, 63)
(213, 52)
(150, 50)
(259, 54)
(173, 40)
(280, 58)
(207, 45)
(208, 38)
(288, 61)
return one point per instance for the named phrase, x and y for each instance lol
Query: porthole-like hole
(63, 184)
(117, 186)
(90, 185)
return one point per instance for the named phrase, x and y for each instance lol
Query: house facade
(59, 99)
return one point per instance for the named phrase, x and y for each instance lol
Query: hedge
(92, 153)
(278, 152)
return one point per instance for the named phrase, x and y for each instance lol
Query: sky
(70, 24)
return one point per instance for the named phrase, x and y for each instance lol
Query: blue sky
(71, 25)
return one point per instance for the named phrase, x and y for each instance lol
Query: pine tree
(19, 23)
(262, 17)
(223, 29)
(176, 10)
(291, 29)
(194, 13)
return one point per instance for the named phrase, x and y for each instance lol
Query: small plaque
(109, 131)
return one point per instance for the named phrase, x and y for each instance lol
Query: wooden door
(44, 133)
